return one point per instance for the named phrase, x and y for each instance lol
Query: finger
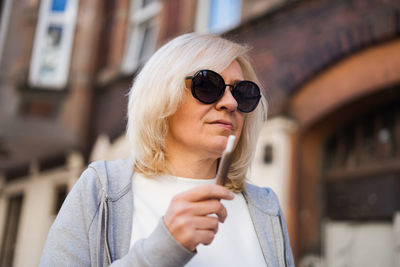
(194, 230)
(205, 223)
(208, 191)
(211, 206)
(204, 237)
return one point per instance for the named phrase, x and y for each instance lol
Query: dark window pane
(367, 142)
(268, 154)
(362, 199)
(386, 133)
(52, 51)
(349, 147)
(54, 161)
(2, 3)
(147, 2)
(61, 194)
(331, 153)
(10, 230)
(16, 172)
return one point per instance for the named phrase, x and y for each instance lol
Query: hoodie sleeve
(159, 249)
(72, 239)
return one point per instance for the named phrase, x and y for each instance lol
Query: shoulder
(263, 198)
(111, 178)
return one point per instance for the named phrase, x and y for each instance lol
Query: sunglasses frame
(189, 83)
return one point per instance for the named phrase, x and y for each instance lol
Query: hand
(187, 215)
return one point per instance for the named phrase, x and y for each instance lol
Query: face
(204, 128)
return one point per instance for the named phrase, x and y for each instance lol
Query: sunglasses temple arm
(188, 82)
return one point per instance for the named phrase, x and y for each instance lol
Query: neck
(191, 165)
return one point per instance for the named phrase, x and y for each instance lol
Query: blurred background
(330, 149)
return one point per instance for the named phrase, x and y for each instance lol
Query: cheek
(240, 123)
(239, 130)
(188, 117)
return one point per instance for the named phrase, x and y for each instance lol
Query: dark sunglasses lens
(247, 94)
(208, 86)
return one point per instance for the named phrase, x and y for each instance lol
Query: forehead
(233, 71)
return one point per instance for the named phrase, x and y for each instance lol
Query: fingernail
(232, 195)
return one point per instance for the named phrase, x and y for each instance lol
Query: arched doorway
(337, 103)
(360, 186)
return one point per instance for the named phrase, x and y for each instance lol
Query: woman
(162, 207)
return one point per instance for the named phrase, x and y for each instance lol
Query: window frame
(139, 19)
(67, 21)
(4, 21)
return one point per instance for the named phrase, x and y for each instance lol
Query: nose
(227, 101)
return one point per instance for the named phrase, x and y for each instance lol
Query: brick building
(332, 68)
(330, 148)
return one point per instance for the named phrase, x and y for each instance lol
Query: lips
(223, 123)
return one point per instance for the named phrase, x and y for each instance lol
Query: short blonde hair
(158, 90)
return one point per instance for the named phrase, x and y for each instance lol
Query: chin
(219, 143)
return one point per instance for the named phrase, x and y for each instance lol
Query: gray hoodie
(93, 227)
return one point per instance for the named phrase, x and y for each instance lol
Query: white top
(235, 243)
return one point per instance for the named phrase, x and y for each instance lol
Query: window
(217, 16)
(53, 44)
(61, 192)
(268, 154)
(362, 166)
(141, 35)
(369, 142)
(11, 230)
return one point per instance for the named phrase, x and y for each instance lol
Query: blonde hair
(157, 92)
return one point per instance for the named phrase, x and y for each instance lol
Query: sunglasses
(208, 87)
